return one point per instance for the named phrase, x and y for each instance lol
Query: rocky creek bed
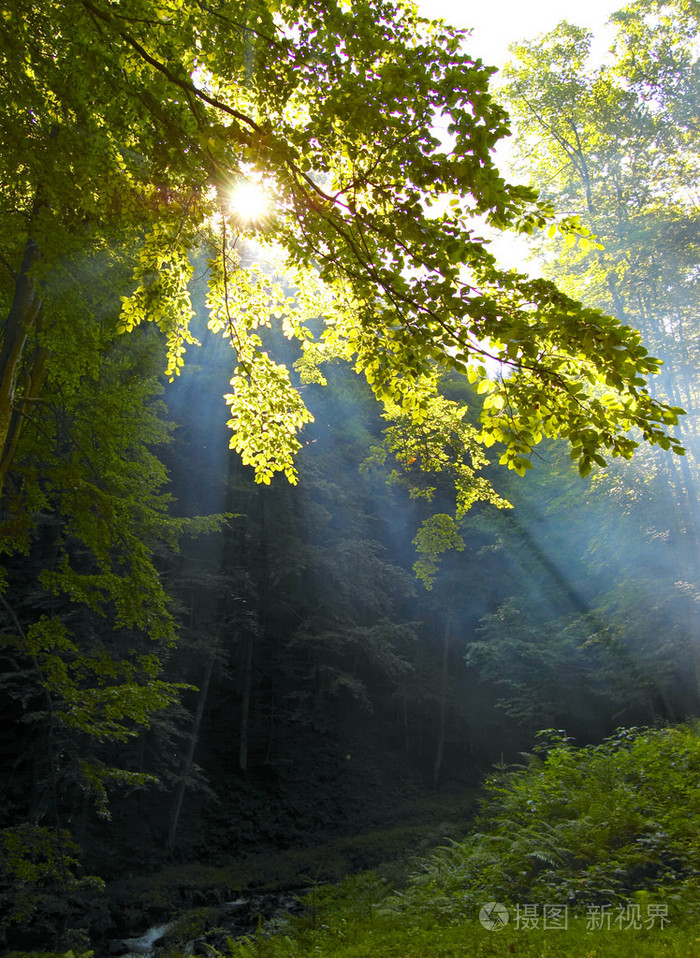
(199, 930)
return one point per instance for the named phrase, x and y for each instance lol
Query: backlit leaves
(357, 116)
(162, 272)
(266, 414)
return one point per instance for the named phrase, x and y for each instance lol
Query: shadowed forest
(438, 694)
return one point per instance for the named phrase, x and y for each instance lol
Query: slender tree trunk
(245, 703)
(189, 759)
(403, 714)
(442, 717)
(32, 382)
(26, 304)
(272, 728)
(249, 638)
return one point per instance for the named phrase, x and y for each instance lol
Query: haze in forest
(323, 644)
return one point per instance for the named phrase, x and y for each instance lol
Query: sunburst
(249, 202)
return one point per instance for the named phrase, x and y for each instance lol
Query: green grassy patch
(391, 937)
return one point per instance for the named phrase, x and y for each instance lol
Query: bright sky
(498, 23)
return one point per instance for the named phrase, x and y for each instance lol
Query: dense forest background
(274, 674)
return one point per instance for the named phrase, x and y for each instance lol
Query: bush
(577, 826)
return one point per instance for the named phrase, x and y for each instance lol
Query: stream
(232, 919)
(144, 944)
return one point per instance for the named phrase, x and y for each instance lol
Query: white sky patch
(496, 25)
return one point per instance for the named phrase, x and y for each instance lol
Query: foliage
(89, 591)
(351, 919)
(41, 887)
(542, 664)
(604, 623)
(436, 535)
(413, 937)
(439, 454)
(137, 121)
(630, 653)
(37, 873)
(86, 619)
(577, 826)
(615, 144)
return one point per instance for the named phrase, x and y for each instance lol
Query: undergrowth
(587, 852)
(578, 826)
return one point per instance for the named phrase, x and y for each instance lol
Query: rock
(117, 946)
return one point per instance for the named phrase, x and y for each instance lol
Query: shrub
(577, 825)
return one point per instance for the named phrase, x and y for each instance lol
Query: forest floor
(357, 919)
(137, 900)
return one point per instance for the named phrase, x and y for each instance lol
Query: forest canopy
(315, 183)
(128, 125)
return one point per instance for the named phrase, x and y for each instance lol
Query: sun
(249, 202)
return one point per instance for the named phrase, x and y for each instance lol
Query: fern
(577, 826)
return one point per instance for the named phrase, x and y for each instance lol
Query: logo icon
(493, 916)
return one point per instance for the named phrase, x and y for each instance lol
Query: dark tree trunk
(442, 716)
(189, 758)
(23, 314)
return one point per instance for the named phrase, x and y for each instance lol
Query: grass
(394, 937)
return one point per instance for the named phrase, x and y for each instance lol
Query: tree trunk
(442, 718)
(189, 759)
(245, 703)
(21, 318)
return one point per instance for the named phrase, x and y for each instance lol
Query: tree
(125, 127)
(86, 621)
(618, 146)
